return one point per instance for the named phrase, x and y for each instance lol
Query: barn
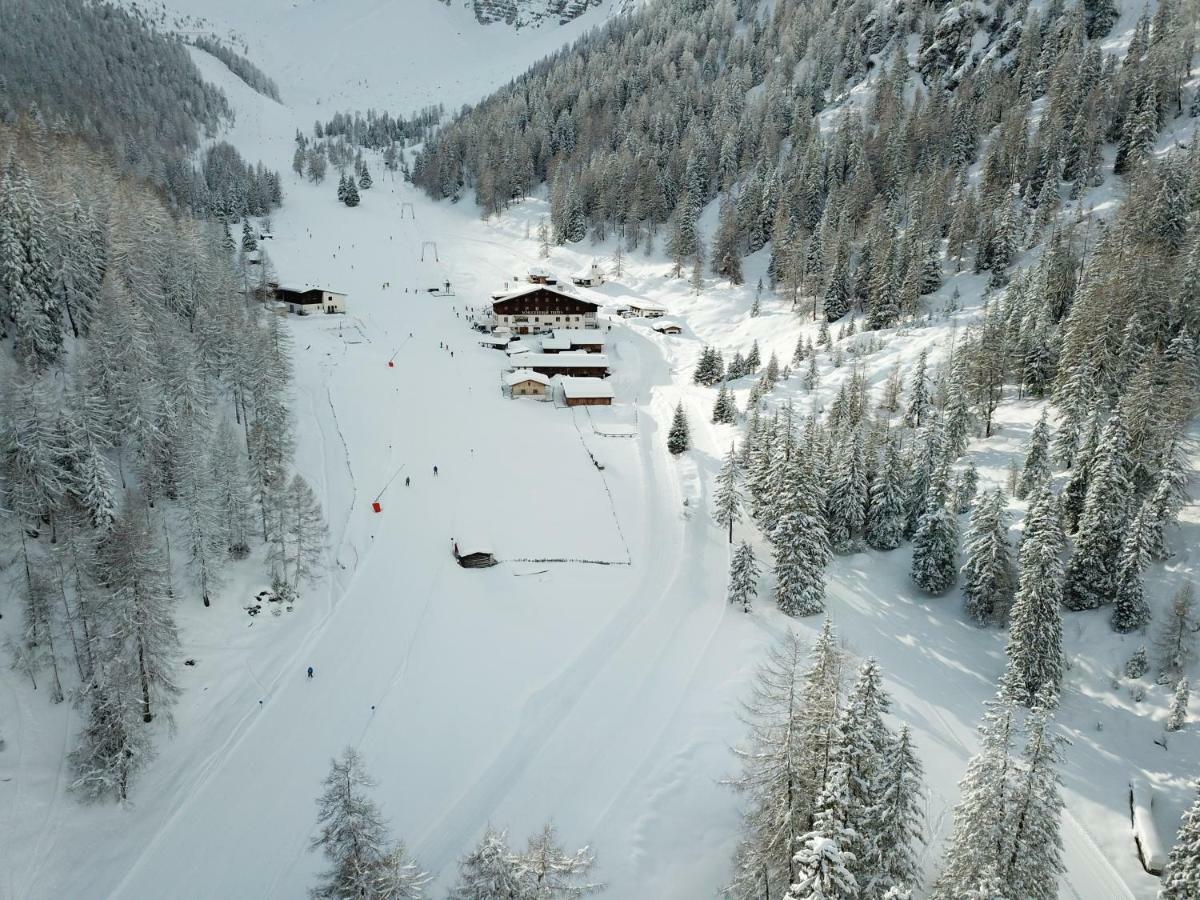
(586, 391)
(644, 309)
(666, 327)
(587, 365)
(304, 300)
(538, 308)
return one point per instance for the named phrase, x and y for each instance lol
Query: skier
(435, 470)
(407, 480)
(310, 671)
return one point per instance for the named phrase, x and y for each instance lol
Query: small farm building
(667, 327)
(587, 340)
(588, 365)
(303, 300)
(587, 391)
(526, 383)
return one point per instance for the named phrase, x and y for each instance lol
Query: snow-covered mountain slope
(396, 55)
(602, 694)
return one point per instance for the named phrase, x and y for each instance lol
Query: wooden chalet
(587, 340)
(538, 308)
(587, 365)
(586, 391)
(667, 327)
(526, 383)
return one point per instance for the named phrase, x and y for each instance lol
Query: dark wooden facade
(544, 302)
(589, 401)
(549, 369)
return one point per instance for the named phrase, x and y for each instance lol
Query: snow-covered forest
(875, 580)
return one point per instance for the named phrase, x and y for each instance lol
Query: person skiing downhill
(435, 470)
(310, 671)
(407, 480)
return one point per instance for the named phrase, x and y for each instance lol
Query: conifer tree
(352, 197)
(724, 409)
(727, 495)
(488, 871)
(548, 872)
(113, 746)
(1130, 610)
(354, 838)
(773, 779)
(987, 572)
(886, 507)
(679, 437)
(846, 501)
(139, 605)
(249, 241)
(1177, 634)
(1181, 877)
(1037, 460)
(364, 179)
(898, 818)
(824, 870)
(1091, 571)
(1032, 860)
(981, 816)
(800, 543)
(935, 543)
(1179, 706)
(1035, 654)
(743, 577)
(919, 401)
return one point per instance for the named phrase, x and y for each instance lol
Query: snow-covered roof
(563, 360)
(522, 375)
(517, 348)
(666, 324)
(301, 288)
(529, 289)
(634, 303)
(566, 338)
(584, 388)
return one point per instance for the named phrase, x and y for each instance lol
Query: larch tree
(549, 872)
(113, 746)
(489, 871)
(134, 573)
(352, 833)
(1177, 718)
(1176, 641)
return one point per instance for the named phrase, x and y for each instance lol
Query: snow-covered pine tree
(987, 571)
(679, 437)
(1130, 609)
(753, 358)
(354, 838)
(1035, 654)
(886, 506)
(201, 513)
(743, 577)
(727, 493)
(846, 500)
(364, 179)
(1032, 858)
(966, 480)
(919, 399)
(1137, 665)
(1091, 572)
(1181, 877)
(1179, 706)
(1037, 459)
(981, 816)
(935, 543)
(897, 822)
(724, 409)
(352, 197)
(800, 543)
(823, 869)
(249, 241)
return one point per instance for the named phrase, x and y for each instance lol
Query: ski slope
(602, 694)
